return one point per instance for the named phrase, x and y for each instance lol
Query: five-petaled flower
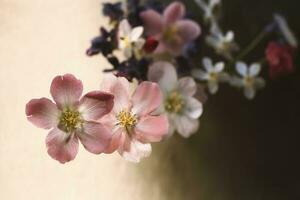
(280, 59)
(182, 108)
(249, 80)
(213, 74)
(71, 118)
(223, 44)
(170, 29)
(132, 120)
(129, 39)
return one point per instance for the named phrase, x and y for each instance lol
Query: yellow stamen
(174, 103)
(69, 120)
(126, 119)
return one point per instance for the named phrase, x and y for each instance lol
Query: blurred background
(245, 150)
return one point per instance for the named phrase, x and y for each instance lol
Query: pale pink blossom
(71, 118)
(131, 119)
(170, 28)
(180, 105)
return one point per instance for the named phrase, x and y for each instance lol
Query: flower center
(125, 41)
(170, 34)
(174, 103)
(248, 80)
(126, 119)
(213, 76)
(69, 120)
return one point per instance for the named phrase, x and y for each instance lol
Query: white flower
(129, 40)
(208, 8)
(213, 74)
(285, 30)
(182, 108)
(223, 44)
(249, 81)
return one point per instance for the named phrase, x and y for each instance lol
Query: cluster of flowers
(158, 86)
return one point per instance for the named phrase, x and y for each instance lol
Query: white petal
(237, 82)
(137, 151)
(207, 63)
(200, 74)
(229, 36)
(259, 83)
(224, 77)
(186, 126)
(254, 69)
(164, 74)
(124, 28)
(136, 33)
(127, 52)
(187, 86)
(193, 108)
(213, 3)
(241, 68)
(201, 4)
(213, 87)
(212, 41)
(287, 33)
(219, 67)
(249, 92)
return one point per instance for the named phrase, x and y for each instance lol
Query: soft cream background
(38, 40)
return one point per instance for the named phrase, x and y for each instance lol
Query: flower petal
(229, 36)
(116, 141)
(66, 90)
(152, 128)
(219, 67)
(136, 33)
(119, 87)
(124, 28)
(186, 126)
(61, 146)
(200, 74)
(286, 31)
(174, 12)
(254, 69)
(213, 87)
(188, 30)
(95, 137)
(249, 92)
(153, 22)
(146, 98)
(241, 68)
(43, 113)
(238, 82)
(207, 63)
(193, 108)
(96, 104)
(187, 86)
(137, 151)
(164, 74)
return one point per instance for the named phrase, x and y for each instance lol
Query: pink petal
(116, 141)
(125, 143)
(62, 146)
(146, 98)
(66, 90)
(95, 137)
(188, 30)
(153, 22)
(42, 113)
(119, 87)
(96, 104)
(187, 86)
(174, 12)
(152, 128)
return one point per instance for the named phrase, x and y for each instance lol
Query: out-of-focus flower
(71, 118)
(223, 44)
(131, 119)
(113, 10)
(249, 80)
(170, 29)
(213, 74)
(280, 59)
(130, 41)
(285, 30)
(182, 108)
(208, 8)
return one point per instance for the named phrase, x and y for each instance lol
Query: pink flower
(172, 31)
(132, 120)
(280, 59)
(71, 118)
